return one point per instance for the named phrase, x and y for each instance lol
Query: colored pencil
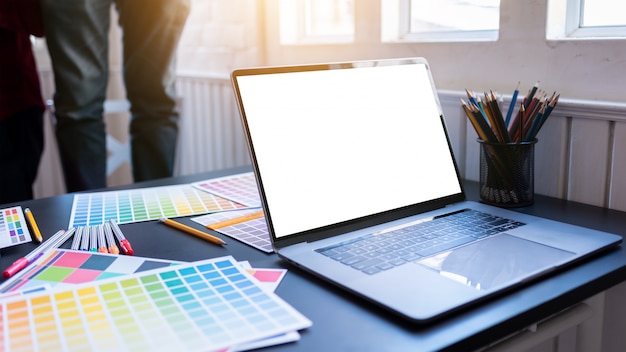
(192, 231)
(509, 113)
(234, 221)
(504, 182)
(33, 225)
(490, 124)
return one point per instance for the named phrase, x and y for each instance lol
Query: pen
(124, 244)
(102, 246)
(33, 225)
(84, 243)
(78, 235)
(93, 239)
(109, 237)
(192, 231)
(53, 242)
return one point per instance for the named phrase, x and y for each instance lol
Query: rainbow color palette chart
(61, 267)
(202, 306)
(13, 229)
(145, 204)
(251, 232)
(240, 188)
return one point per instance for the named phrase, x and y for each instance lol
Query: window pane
(329, 17)
(597, 13)
(454, 15)
(316, 21)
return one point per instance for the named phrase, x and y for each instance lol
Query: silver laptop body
(353, 149)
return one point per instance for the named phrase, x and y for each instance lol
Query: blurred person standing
(21, 104)
(77, 34)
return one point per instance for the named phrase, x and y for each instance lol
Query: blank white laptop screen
(383, 144)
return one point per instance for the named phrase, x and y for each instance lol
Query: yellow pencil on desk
(192, 231)
(234, 221)
(33, 225)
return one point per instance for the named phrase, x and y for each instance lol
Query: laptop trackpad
(496, 261)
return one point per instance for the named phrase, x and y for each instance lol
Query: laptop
(357, 176)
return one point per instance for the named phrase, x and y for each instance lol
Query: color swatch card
(13, 228)
(240, 188)
(251, 231)
(268, 279)
(62, 267)
(202, 306)
(144, 204)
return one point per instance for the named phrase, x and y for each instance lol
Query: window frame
(565, 22)
(402, 9)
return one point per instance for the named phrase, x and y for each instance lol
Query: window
(332, 21)
(440, 20)
(570, 19)
(316, 21)
(602, 13)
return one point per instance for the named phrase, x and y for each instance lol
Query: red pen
(124, 244)
(53, 242)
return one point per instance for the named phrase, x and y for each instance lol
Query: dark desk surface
(342, 322)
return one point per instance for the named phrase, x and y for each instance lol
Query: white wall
(591, 69)
(220, 36)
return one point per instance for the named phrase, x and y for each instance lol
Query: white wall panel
(617, 199)
(589, 161)
(551, 157)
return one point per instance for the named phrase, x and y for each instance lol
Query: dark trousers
(77, 34)
(21, 146)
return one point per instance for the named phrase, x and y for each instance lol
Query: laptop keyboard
(374, 253)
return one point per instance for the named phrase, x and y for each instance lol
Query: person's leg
(21, 146)
(77, 34)
(151, 30)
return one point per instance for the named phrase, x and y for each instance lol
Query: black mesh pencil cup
(507, 173)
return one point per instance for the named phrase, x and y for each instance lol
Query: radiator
(211, 136)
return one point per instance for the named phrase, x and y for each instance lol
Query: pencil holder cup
(507, 173)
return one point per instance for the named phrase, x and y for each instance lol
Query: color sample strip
(13, 228)
(240, 188)
(62, 267)
(207, 305)
(144, 204)
(252, 232)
